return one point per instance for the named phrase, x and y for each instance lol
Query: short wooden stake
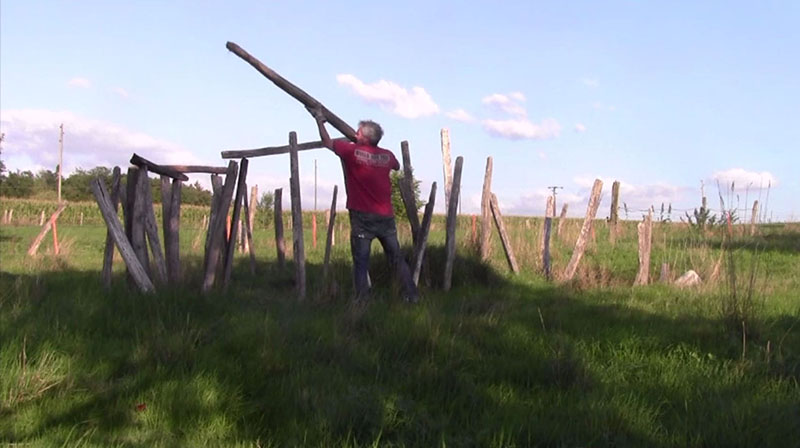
(280, 244)
(41, 219)
(486, 212)
(645, 229)
(501, 228)
(114, 227)
(425, 227)
(81, 221)
(754, 218)
(580, 244)
(297, 220)
(452, 217)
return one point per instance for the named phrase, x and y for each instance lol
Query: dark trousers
(364, 227)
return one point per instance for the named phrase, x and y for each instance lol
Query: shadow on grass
(494, 362)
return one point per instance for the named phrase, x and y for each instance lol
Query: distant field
(500, 360)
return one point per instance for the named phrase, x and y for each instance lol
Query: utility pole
(554, 188)
(60, 158)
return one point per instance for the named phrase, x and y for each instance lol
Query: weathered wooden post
(645, 229)
(280, 244)
(614, 214)
(135, 268)
(422, 241)
(446, 166)
(754, 218)
(452, 217)
(546, 268)
(230, 252)
(329, 239)
(41, 219)
(407, 192)
(150, 226)
(297, 220)
(580, 244)
(501, 228)
(562, 218)
(108, 254)
(549, 211)
(171, 219)
(251, 215)
(486, 212)
(218, 237)
(216, 199)
(248, 230)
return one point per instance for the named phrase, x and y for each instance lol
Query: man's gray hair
(371, 130)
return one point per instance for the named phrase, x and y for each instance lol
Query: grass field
(500, 360)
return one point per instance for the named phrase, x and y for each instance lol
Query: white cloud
(590, 82)
(580, 128)
(460, 115)
(522, 128)
(542, 155)
(742, 178)
(391, 96)
(32, 142)
(121, 92)
(638, 198)
(81, 83)
(509, 103)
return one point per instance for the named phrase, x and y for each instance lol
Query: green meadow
(500, 360)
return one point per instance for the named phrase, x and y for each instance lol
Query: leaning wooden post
(580, 244)
(134, 218)
(425, 227)
(614, 214)
(546, 268)
(452, 216)
(135, 268)
(407, 192)
(645, 229)
(230, 249)
(108, 254)
(280, 244)
(486, 212)
(562, 218)
(754, 218)
(46, 228)
(249, 235)
(501, 228)
(150, 226)
(218, 237)
(329, 239)
(297, 220)
(446, 167)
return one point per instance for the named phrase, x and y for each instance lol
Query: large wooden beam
(158, 169)
(294, 91)
(196, 169)
(269, 150)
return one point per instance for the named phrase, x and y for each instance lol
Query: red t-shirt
(366, 176)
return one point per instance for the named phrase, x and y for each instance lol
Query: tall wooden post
(446, 166)
(218, 237)
(108, 254)
(486, 212)
(614, 214)
(280, 244)
(407, 192)
(297, 220)
(580, 244)
(452, 217)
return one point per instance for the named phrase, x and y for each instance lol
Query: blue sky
(662, 96)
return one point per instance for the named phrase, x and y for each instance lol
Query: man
(369, 201)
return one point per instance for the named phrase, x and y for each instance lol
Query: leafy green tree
(17, 184)
(397, 200)
(45, 182)
(265, 208)
(195, 194)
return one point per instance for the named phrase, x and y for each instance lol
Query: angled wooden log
(269, 150)
(108, 254)
(280, 244)
(424, 229)
(329, 239)
(151, 229)
(141, 162)
(294, 91)
(501, 228)
(407, 192)
(248, 230)
(218, 237)
(580, 244)
(486, 212)
(297, 220)
(452, 216)
(118, 235)
(241, 192)
(189, 169)
(48, 225)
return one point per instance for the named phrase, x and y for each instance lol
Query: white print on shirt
(368, 158)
